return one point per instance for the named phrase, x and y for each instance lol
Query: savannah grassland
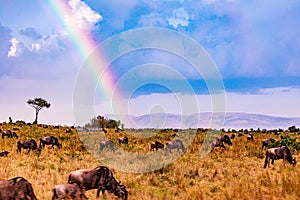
(234, 173)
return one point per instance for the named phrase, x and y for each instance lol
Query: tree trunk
(36, 117)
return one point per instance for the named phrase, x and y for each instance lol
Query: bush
(286, 140)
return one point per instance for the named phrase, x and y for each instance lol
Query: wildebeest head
(120, 191)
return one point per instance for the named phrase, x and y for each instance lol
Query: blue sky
(254, 44)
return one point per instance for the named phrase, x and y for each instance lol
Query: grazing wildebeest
(9, 134)
(65, 191)
(232, 136)
(266, 142)
(240, 134)
(49, 140)
(123, 140)
(276, 153)
(4, 153)
(107, 144)
(17, 188)
(250, 137)
(221, 140)
(156, 145)
(26, 144)
(100, 178)
(68, 130)
(175, 144)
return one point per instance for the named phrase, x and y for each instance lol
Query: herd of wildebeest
(101, 178)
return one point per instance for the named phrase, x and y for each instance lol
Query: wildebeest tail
(70, 179)
(266, 160)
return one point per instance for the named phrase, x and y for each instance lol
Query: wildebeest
(100, 178)
(276, 153)
(65, 191)
(17, 188)
(123, 140)
(26, 144)
(156, 145)
(9, 134)
(250, 137)
(232, 136)
(175, 144)
(68, 130)
(107, 144)
(49, 140)
(221, 140)
(266, 142)
(4, 153)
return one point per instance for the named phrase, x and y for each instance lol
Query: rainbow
(85, 45)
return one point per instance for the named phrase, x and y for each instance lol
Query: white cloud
(13, 50)
(35, 47)
(179, 17)
(82, 16)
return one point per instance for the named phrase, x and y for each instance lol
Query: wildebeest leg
(266, 160)
(272, 162)
(28, 150)
(98, 192)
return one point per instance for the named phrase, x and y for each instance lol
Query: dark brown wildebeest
(100, 178)
(17, 188)
(107, 144)
(250, 137)
(49, 140)
(266, 142)
(123, 140)
(175, 144)
(276, 153)
(9, 134)
(232, 136)
(66, 191)
(156, 145)
(220, 142)
(26, 144)
(4, 153)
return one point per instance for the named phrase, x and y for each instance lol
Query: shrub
(286, 140)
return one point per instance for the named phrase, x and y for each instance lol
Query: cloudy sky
(255, 46)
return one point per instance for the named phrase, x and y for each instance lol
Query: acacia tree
(38, 104)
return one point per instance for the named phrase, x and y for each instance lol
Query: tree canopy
(38, 104)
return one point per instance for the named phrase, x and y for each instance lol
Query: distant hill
(231, 120)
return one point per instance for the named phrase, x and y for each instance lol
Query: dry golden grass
(234, 173)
